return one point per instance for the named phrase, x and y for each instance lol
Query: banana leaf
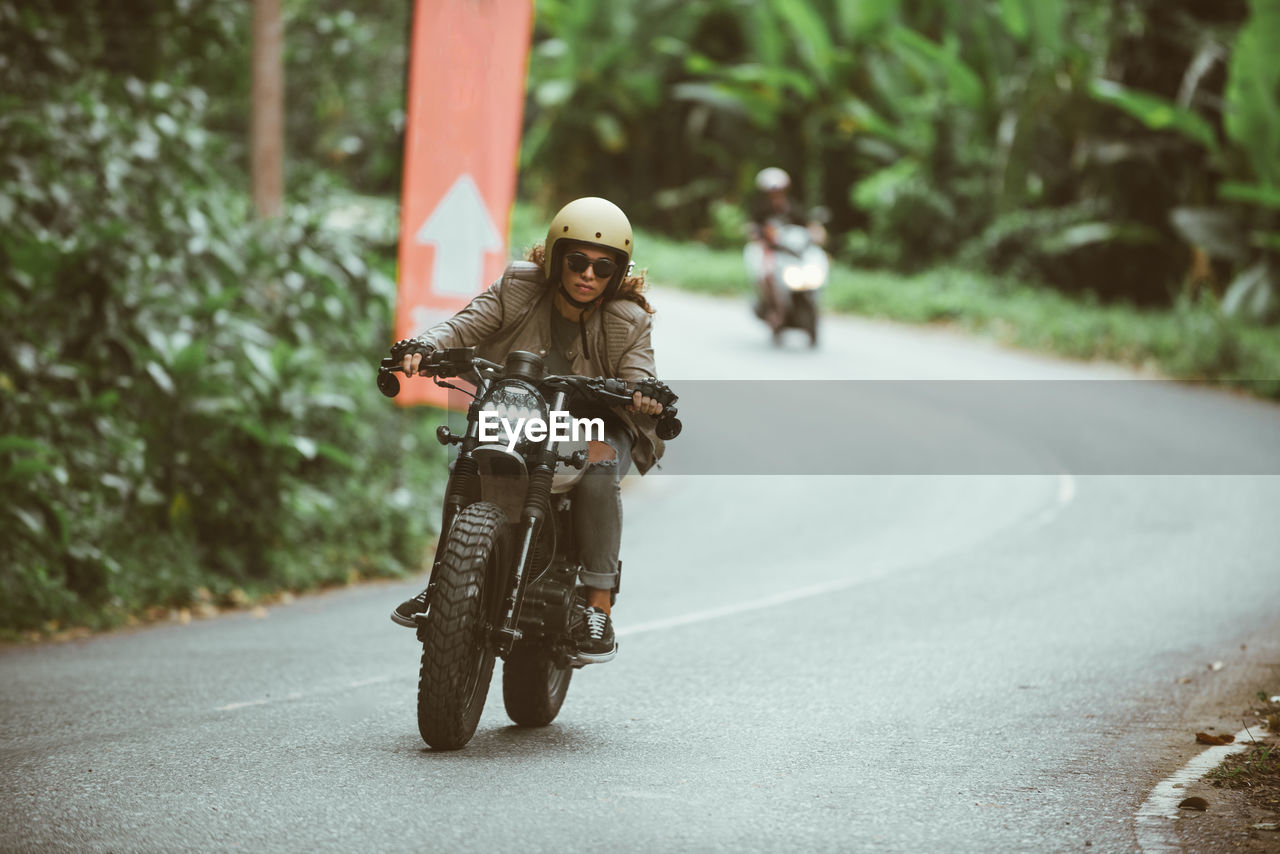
(1155, 112)
(1254, 294)
(1215, 230)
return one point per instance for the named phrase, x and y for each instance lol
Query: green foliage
(1253, 123)
(593, 80)
(345, 73)
(925, 127)
(1251, 119)
(186, 395)
(1155, 112)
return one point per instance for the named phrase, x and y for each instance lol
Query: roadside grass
(1191, 341)
(1258, 764)
(1256, 770)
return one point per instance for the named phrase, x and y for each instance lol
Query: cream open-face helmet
(592, 220)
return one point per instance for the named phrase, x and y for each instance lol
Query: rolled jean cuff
(599, 580)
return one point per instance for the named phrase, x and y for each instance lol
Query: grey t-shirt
(564, 334)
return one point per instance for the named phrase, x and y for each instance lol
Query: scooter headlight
(794, 277)
(813, 275)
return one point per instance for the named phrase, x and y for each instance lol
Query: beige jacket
(515, 314)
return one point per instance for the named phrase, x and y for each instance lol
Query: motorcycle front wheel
(805, 315)
(533, 688)
(457, 660)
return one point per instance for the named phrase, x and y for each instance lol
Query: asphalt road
(999, 654)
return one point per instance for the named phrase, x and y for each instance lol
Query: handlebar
(460, 361)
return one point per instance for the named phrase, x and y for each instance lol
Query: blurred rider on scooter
(769, 208)
(772, 206)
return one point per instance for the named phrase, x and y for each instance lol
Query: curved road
(1004, 654)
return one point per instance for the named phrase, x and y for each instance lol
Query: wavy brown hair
(632, 287)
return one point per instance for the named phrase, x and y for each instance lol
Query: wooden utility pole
(267, 126)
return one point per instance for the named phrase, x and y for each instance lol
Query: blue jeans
(597, 512)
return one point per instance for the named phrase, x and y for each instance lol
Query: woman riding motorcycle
(574, 304)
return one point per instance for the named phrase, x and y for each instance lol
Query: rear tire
(533, 688)
(457, 660)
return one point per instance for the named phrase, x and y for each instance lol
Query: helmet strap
(583, 306)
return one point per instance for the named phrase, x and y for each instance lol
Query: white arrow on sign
(462, 232)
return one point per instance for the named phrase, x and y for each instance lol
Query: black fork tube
(536, 507)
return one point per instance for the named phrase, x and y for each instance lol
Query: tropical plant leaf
(1155, 112)
(1254, 294)
(1087, 233)
(942, 61)
(1252, 194)
(1251, 113)
(858, 18)
(880, 189)
(810, 34)
(1216, 230)
(11, 444)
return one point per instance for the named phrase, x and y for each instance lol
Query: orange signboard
(462, 138)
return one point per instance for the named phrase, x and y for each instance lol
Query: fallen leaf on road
(1194, 804)
(1205, 738)
(1267, 825)
(1217, 665)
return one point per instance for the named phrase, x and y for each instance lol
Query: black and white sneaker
(404, 613)
(595, 639)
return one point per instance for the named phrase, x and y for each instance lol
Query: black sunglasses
(578, 263)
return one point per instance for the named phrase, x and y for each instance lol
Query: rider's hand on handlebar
(645, 405)
(411, 362)
(410, 352)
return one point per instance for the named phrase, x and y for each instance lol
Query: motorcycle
(800, 270)
(504, 582)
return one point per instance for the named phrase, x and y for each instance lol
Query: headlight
(814, 274)
(513, 402)
(793, 277)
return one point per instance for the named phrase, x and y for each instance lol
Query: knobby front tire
(457, 661)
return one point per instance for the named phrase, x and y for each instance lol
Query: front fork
(537, 506)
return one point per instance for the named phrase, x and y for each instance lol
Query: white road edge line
(297, 695)
(231, 707)
(1066, 494)
(743, 607)
(1154, 823)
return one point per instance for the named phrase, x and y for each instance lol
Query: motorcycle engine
(548, 602)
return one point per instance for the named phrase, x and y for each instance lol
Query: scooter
(798, 268)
